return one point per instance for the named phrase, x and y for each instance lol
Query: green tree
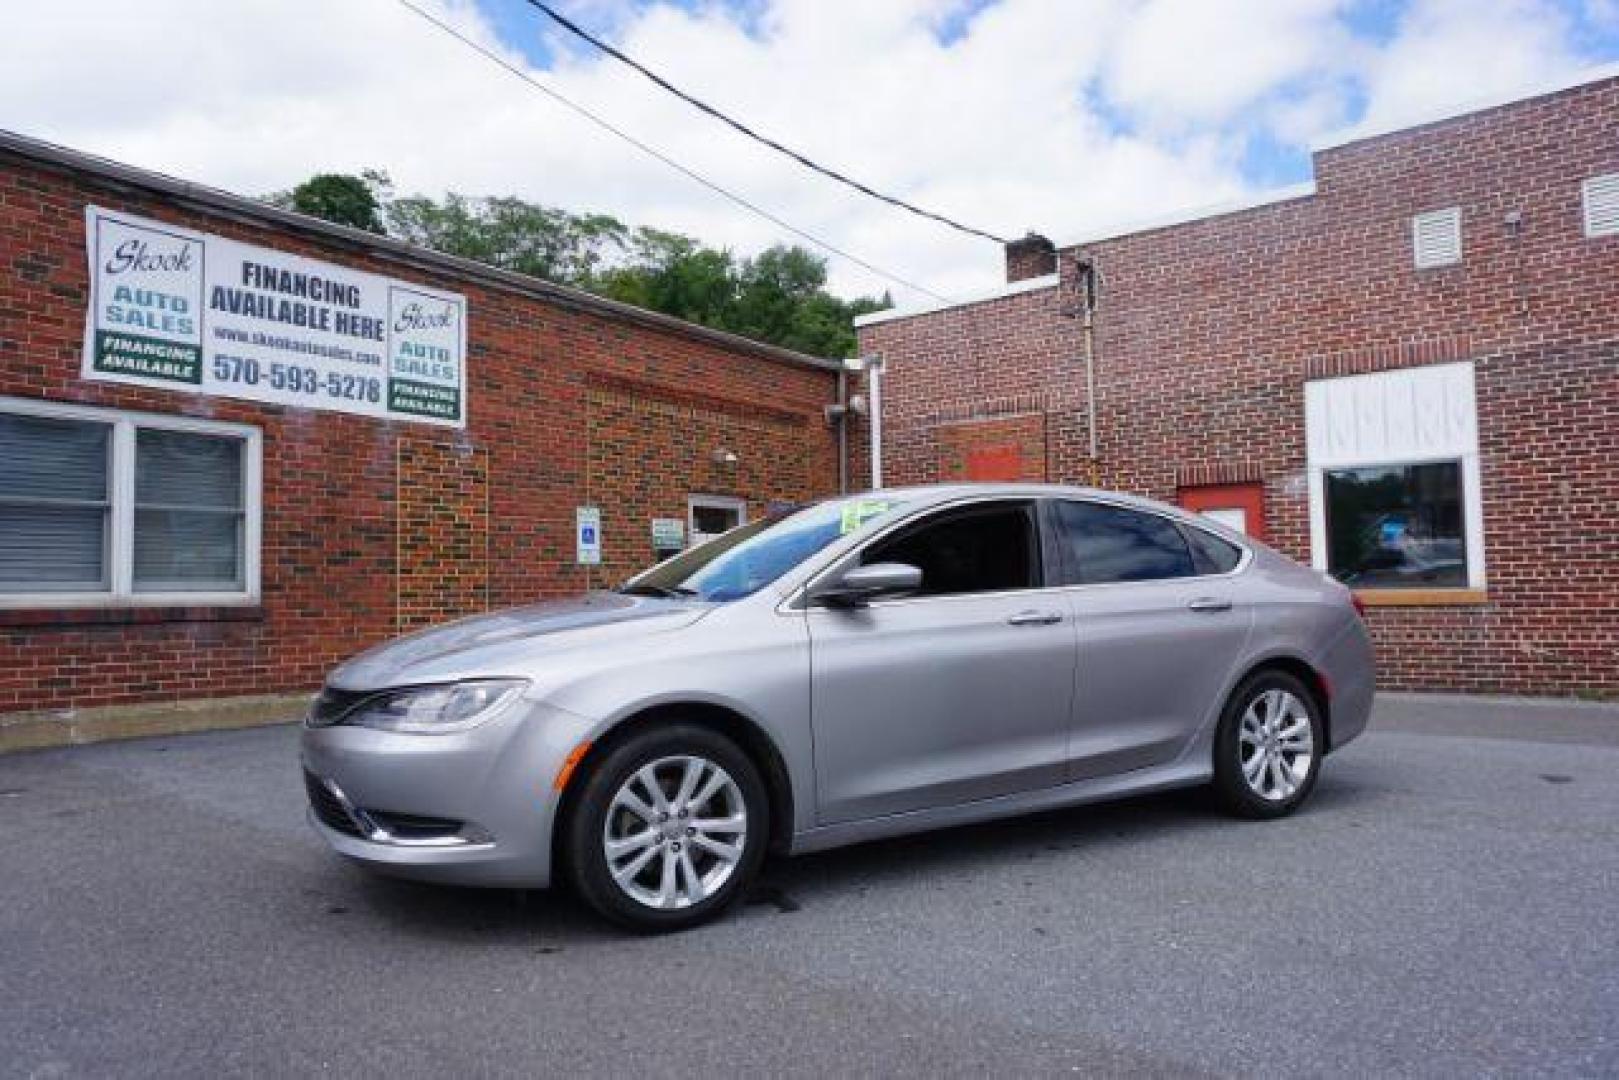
(510, 233)
(778, 296)
(350, 200)
(676, 275)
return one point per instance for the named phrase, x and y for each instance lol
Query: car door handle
(1210, 603)
(1034, 618)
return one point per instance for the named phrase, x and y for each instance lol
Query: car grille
(328, 809)
(332, 704)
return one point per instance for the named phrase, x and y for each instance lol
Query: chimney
(1030, 257)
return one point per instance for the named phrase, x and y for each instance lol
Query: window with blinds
(102, 506)
(55, 504)
(189, 512)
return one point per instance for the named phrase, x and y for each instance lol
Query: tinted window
(1108, 543)
(1395, 526)
(964, 551)
(1210, 554)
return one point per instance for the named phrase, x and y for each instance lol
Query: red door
(1238, 506)
(1001, 463)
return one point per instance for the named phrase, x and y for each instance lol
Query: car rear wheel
(669, 829)
(1268, 750)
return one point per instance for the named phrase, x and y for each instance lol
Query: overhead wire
(724, 118)
(654, 152)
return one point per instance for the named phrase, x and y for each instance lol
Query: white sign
(185, 310)
(668, 534)
(588, 535)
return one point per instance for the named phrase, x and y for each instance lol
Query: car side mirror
(865, 583)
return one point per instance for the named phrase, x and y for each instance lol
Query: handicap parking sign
(588, 535)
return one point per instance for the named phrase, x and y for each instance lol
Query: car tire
(641, 856)
(1269, 746)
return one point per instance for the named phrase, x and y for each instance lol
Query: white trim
(1187, 216)
(121, 482)
(1422, 118)
(978, 296)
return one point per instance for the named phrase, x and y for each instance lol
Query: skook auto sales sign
(185, 310)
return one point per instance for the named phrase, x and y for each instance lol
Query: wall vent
(1436, 238)
(1601, 205)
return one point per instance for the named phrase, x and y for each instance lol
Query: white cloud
(1456, 51)
(1181, 62)
(1013, 123)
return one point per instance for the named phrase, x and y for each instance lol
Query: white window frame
(1321, 460)
(713, 502)
(121, 517)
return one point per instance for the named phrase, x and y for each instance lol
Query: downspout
(1087, 300)
(874, 369)
(843, 431)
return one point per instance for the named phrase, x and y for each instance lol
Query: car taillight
(1360, 605)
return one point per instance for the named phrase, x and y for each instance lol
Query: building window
(55, 503)
(1436, 238)
(710, 515)
(99, 507)
(1397, 526)
(1395, 495)
(1600, 195)
(190, 516)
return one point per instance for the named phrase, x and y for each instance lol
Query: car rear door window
(1210, 554)
(976, 549)
(1103, 544)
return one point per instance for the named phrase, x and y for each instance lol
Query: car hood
(512, 641)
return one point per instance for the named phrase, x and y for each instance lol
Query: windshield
(749, 557)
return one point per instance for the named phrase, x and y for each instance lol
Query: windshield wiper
(648, 589)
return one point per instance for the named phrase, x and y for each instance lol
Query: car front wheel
(1268, 750)
(669, 829)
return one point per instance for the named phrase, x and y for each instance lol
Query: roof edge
(1188, 216)
(1000, 292)
(220, 203)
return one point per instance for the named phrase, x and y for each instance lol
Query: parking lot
(1447, 904)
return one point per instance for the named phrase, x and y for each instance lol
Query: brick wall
(373, 526)
(652, 445)
(1207, 331)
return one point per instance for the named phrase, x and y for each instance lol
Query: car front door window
(974, 550)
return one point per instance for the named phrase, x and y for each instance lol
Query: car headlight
(436, 710)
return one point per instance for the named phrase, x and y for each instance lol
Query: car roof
(932, 493)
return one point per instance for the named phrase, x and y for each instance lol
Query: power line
(703, 106)
(665, 158)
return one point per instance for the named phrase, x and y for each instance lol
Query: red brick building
(164, 541)
(1406, 372)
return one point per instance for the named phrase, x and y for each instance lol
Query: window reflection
(1396, 526)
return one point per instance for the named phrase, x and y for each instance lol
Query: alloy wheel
(1275, 745)
(675, 832)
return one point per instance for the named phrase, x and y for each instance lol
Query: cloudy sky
(1063, 116)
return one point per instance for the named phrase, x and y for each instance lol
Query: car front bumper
(469, 808)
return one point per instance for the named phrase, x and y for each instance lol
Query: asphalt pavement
(1447, 905)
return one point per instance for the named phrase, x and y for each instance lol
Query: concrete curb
(72, 727)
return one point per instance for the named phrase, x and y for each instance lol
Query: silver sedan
(858, 668)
